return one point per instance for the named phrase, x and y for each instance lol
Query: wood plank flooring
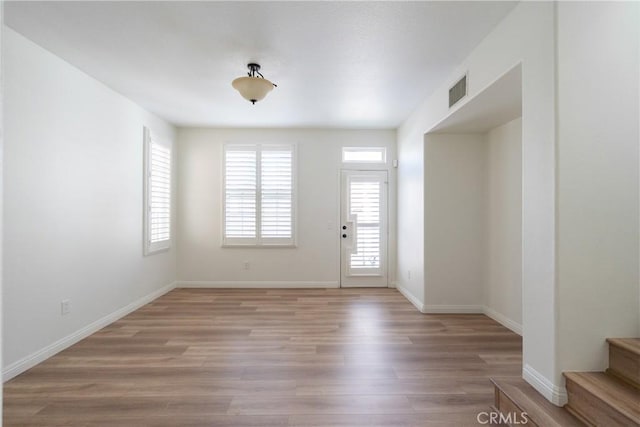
(281, 357)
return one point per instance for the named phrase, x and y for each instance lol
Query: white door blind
(240, 193)
(365, 206)
(276, 194)
(159, 193)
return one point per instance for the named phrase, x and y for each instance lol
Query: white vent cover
(458, 91)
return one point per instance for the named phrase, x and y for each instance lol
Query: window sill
(149, 252)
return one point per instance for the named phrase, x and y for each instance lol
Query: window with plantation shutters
(276, 193)
(240, 193)
(259, 195)
(157, 200)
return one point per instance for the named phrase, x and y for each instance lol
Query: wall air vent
(458, 91)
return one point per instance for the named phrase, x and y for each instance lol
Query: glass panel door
(364, 228)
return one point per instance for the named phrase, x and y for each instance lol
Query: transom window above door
(370, 155)
(259, 195)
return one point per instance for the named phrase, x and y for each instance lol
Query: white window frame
(164, 245)
(382, 150)
(258, 241)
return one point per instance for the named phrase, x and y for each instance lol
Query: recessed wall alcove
(473, 205)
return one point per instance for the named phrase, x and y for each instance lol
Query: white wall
(526, 35)
(410, 241)
(473, 223)
(598, 172)
(503, 280)
(1, 183)
(579, 257)
(73, 203)
(315, 261)
(454, 225)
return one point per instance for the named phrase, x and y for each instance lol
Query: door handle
(351, 238)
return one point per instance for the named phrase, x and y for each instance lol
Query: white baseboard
(438, 309)
(393, 284)
(459, 309)
(453, 309)
(553, 393)
(411, 297)
(256, 284)
(33, 359)
(503, 320)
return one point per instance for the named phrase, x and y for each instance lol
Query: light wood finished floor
(327, 357)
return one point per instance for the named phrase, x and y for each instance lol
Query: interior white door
(363, 228)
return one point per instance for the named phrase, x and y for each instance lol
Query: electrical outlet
(65, 307)
(246, 265)
(409, 274)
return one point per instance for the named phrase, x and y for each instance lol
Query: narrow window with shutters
(240, 194)
(259, 195)
(157, 200)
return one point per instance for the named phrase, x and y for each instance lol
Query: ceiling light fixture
(254, 87)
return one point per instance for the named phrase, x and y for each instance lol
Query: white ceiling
(337, 64)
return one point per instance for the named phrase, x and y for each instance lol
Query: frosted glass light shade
(252, 88)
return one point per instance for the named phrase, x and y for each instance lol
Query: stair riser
(506, 406)
(624, 364)
(586, 406)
